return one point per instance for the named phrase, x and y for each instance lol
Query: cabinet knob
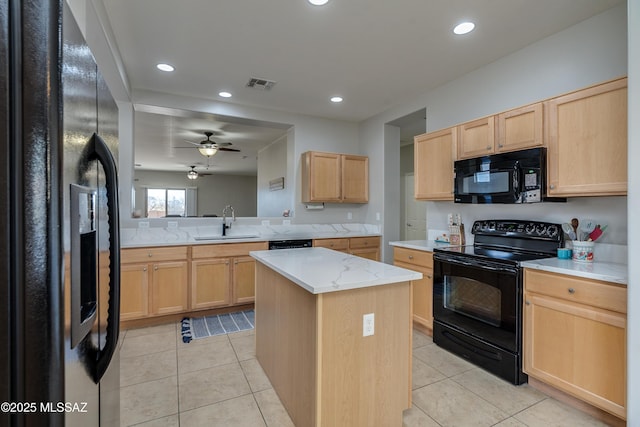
(150, 255)
(572, 291)
(235, 262)
(428, 276)
(488, 148)
(500, 145)
(410, 256)
(144, 269)
(527, 302)
(155, 267)
(551, 186)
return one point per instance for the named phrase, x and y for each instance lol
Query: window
(162, 202)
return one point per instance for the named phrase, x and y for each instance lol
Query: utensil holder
(583, 251)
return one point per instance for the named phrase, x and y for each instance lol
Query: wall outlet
(349, 215)
(172, 225)
(286, 222)
(266, 222)
(377, 216)
(143, 224)
(367, 325)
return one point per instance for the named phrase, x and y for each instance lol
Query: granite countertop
(597, 270)
(421, 245)
(208, 235)
(321, 270)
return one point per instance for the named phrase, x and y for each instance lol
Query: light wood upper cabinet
(434, 154)
(574, 337)
(587, 139)
(476, 138)
(334, 178)
(355, 179)
(520, 128)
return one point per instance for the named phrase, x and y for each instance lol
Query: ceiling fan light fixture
(192, 174)
(207, 150)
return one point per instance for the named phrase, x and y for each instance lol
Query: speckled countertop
(321, 270)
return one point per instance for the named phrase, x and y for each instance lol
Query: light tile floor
(217, 381)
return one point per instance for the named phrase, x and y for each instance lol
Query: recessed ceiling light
(165, 67)
(336, 99)
(464, 28)
(225, 94)
(318, 2)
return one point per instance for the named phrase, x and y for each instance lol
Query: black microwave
(516, 177)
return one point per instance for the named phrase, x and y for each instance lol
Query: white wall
(272, 164)
(633, 202)
(214, 191)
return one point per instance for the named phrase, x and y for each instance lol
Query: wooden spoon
(575, 223)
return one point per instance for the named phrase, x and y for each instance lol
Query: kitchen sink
(231, 237)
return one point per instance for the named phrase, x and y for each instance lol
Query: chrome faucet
(225, 227)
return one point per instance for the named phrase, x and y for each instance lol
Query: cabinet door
(210, 283)
(520, 128)
(587, 138)
(169, 287)
(422, 295)
(134, 291)
(321, 179)
(476, 138)
(371, 253)
(355, 179)
(244, 280)
(434, 154)
(578, 349)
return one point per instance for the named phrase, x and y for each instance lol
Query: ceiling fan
(208, 148)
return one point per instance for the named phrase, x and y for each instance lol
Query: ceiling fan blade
(197, 144)
(228, 149)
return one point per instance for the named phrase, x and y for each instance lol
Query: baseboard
(578, 404)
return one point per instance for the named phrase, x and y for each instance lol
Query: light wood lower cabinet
(365, 247)
(575, 337)
(223, 274)
(421, 261)
(153, 282)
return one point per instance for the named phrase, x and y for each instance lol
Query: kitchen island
(310, 321)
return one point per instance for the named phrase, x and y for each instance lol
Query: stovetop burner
(511, 241)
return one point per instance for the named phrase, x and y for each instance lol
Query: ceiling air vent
(263, 84)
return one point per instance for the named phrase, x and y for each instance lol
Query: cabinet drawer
(335, 244)
(364, 242)
(413, 256)
(595, 293)
(227, 249)
(152, 254)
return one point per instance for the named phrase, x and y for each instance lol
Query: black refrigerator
(59, 230)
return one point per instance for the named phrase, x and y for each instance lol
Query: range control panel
(518, 228)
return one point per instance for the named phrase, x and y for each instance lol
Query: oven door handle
(478, 264)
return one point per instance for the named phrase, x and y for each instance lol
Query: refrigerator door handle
(97, 150)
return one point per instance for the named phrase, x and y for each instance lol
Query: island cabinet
(587, 139)
(314, 343)
(434, 154)
(153, 281)
(223, 274)
(365, 247)
(575, 337)
(334, 178)
(422, 289)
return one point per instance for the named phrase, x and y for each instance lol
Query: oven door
(480, 298)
